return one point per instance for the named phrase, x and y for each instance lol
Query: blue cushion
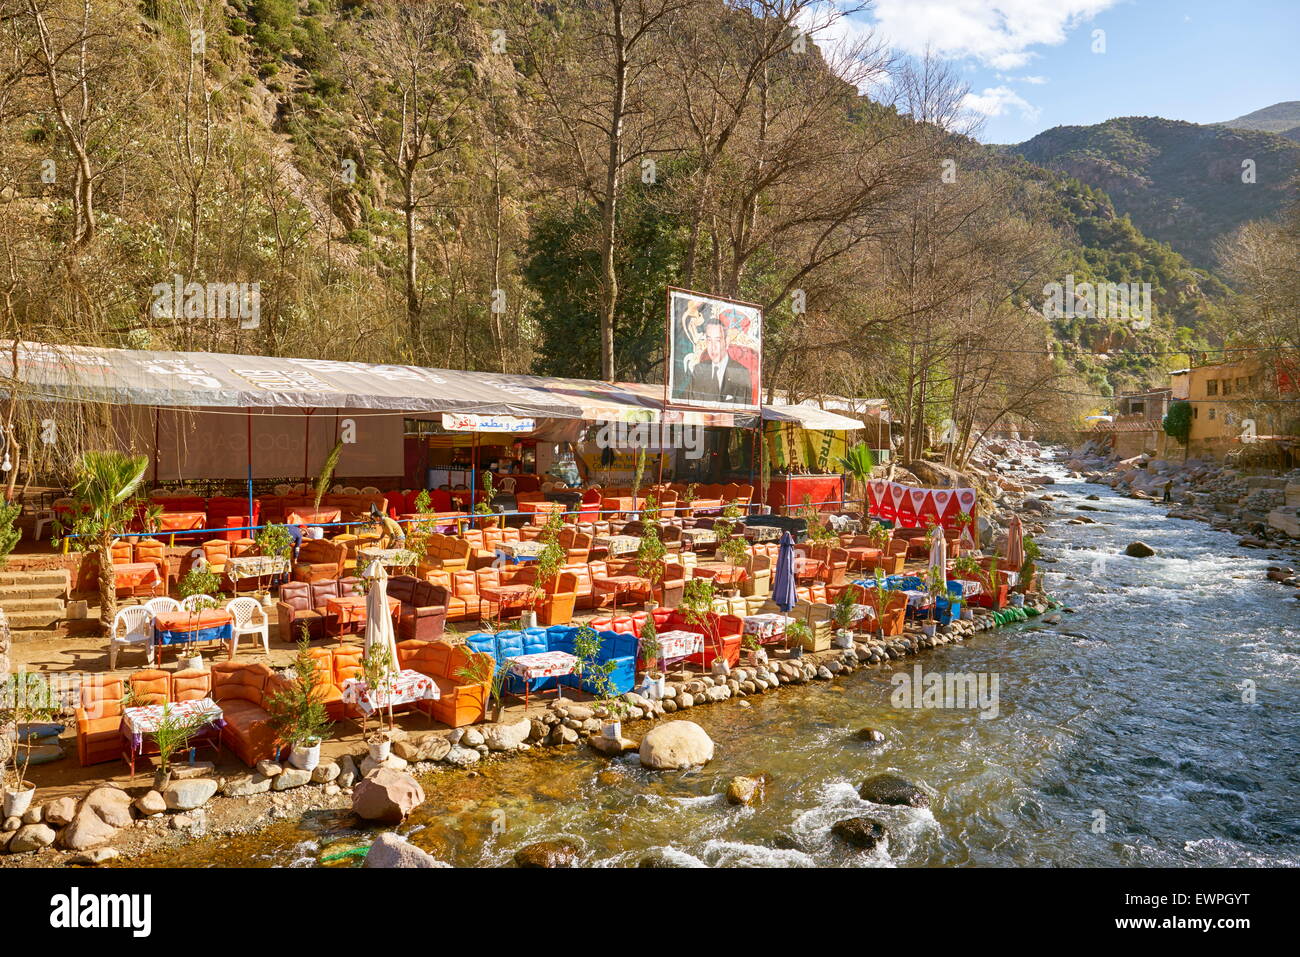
(535, 641)
(484, 641)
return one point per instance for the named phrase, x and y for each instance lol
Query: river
(1122, 738)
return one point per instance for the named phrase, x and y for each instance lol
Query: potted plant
(651, 559)
(879, 598)
(650, 651)
(598, 675)
(273, 541)
(553, 606)
(174, 732)
(298, 710)
(481, 668)
(1025, 584)
(483, 506)
(842, 614)
(937, 586)
(204, 584)
(797, 635)
(24, 697)
(376, 666)
(754, 653)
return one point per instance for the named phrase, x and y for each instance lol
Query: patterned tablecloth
(699, 536)
(675, 645)
(544, 664)
(617, 544)
(406, 687)
(385, 556)
(352, 608)
(769, 626)
(508, 596)
(527, 551)
(145, 719)
(255, 566)
(762, 533)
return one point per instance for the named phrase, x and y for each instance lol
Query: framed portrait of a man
(715, 350)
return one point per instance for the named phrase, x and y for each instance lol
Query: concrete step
(33, 590)
(38, 618)
(13, 606)
(32, 577)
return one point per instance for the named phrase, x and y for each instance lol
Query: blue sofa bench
(505, 645)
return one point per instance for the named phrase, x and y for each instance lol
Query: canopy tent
(217, 380)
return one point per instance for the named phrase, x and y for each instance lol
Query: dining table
(398, 690)
(308, 515)
(202, 714)
(181, 521)
(134, 574)
(350, 610)
(617, 544)
(189, 627)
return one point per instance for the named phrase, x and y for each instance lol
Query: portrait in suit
(716, 345)
(717, 377)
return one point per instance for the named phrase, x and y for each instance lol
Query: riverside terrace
(466, 609)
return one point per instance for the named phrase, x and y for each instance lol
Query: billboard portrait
(715, 348)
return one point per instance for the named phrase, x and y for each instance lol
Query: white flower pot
(843, 639)
(188, 662)
(528, 619)
(1017, 600)
(380, 750)
(928, 629)
(613, 729)
(658, 685)
(16, 803)
(305, 759)
(967, 613)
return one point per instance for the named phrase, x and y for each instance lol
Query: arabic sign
(467, 422)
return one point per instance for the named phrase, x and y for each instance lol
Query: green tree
(104, 490)
(1178, 421)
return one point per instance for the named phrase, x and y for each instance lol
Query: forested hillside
(1182, 183)
(510, 186)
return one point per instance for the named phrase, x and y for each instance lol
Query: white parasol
(379, 622)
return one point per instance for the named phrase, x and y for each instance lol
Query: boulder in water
(561, 853)
(1139, 550)
(676, 744)
(744, 790)
(386, 796)
(893, 790)
(389, 850)
(862, 832)
(871, 736)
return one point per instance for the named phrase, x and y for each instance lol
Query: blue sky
(1030, 66)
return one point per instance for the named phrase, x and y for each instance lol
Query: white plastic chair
(196, 603)
(250, 619)
(370, 490)
(160, 606)
(44, 516)
(351, 490)
(136, 624)
(282, 490)
(336, 489)
(507, 486)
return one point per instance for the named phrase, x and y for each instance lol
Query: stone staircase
(35, 601)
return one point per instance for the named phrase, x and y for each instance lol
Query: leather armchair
(421, 615)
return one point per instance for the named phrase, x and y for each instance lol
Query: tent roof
(810, 417)
(206, 379)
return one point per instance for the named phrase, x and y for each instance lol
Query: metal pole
(250, 466)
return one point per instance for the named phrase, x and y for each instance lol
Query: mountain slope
(1181, 183)
(1279, 118)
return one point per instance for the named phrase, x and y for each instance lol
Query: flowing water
(1121, 738)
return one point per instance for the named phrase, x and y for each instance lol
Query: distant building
(1138, 423)
(1240, 403)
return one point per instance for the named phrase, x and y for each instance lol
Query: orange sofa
(243, 690)
(99, 720)
(460, 702)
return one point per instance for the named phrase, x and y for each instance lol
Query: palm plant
(858, 463)
(106, 482)
(327, 472)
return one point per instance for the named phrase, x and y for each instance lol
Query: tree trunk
(107, 588)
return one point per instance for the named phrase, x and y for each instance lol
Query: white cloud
(998, 101)
(997, 33)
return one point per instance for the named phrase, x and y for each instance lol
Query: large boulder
(87, 830)
(676, 744)
(190, 794)
(891, 789)
(386, 796)
(61, 811)
(112, 805)
(1139, 550)
(389, 850)
(507, 737)
(31, 837)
